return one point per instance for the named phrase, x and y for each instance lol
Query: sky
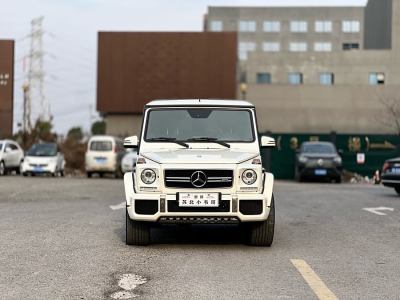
(70, 40)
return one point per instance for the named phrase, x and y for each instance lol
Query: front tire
(262, 233)
(397, 189)
(2, 168)
(137, 233)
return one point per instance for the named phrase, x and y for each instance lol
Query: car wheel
(89, 174)
(2, 168)
(20, 170)
(338, 179)
(24, 174)
(262, 233)
(397, 189)
(61, 173)
(137, 233)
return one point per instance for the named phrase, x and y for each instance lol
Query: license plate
(101, 160)
(38, 169)
(320, 172)
(198, 199)
(395, 170)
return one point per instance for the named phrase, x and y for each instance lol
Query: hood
(40, 159)
(196, 156)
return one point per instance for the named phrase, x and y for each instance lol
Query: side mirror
(131, 142)
(267, 142)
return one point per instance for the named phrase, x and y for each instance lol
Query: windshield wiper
(168, 140)
(209, 140)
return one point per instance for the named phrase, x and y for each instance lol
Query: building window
(326, 78)
(323, 26)
(350, 46)
(244, 48)
(376, 78)
(247, 26)
(271, 47)
(295, 78)
(298, 47)
(323, 46)
(263, 78)
(272, 26)
(216, 26)
(298, 26)
(351, 26)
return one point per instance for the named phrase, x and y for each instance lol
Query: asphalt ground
(60, 239)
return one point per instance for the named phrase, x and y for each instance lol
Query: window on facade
(351, 26)
(271, 47)
(272, 26)
(350, 46)
(298, 47)
(295, 78)
(263, 78)
(376, 78)
(298, 26)
(244, 48)
(326, 78)
(216, 26)
(247, 26)
(323, 26)
(323, 46)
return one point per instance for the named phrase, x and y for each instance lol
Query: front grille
(199, 220)
(183, 178)
(173, 206)
(38, 165)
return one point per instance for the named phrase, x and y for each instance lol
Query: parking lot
(63, 238)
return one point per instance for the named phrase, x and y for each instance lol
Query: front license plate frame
(320, 172)
(198, 199)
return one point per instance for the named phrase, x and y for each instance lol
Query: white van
(103, 155)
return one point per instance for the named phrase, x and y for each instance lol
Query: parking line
(313, 280)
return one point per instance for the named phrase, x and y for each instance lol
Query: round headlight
(249, 176)
(303, 159)
(148, 176)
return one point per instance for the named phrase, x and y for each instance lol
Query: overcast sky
(71, 35)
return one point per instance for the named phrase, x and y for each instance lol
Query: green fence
(375, 148)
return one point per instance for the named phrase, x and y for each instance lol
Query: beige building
(317, 69)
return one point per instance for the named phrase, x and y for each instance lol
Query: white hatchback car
(43, 158)
(104, 155)
(11, 156)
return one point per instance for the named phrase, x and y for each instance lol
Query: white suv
(11, 156)
(199, 162)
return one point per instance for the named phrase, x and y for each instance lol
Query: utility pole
(36, 74)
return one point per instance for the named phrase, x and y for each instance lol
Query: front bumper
(49, 169)
(234, 208)
(390, 180)
(311, 172)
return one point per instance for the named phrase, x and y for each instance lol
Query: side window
(12, 146)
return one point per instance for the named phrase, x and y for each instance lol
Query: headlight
(148, 176)
(337, 160)
(303, 159)
(249, 176)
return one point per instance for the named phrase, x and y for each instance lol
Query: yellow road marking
(313, 280)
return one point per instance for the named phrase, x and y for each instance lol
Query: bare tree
(391, 115)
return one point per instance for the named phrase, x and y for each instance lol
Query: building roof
(200, 102)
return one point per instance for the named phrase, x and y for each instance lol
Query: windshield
(323, 148)
(43, 150)
(229, 125)
(101, 146)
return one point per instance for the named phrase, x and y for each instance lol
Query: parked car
(129, 161)
(104, 155)
(43, 158)
(11, 157)
(318, 160)
(390, 175)
(199, 163)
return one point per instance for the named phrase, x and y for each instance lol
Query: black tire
(262, 233)
(397, 189)
(3, 170)
(25, 174)
(89, 174)
(338, 179)
(62, 173)
(137, 233)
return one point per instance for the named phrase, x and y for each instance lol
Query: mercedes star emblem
(198, 179)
